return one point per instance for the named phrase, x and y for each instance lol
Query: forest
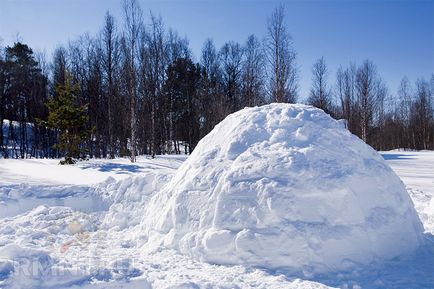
(134, 89)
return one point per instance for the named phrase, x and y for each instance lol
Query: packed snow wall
(284, 186)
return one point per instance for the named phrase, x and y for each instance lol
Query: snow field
(61, 247)
(90, 228)
(416, 169)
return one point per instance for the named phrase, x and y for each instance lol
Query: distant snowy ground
(416, 170)
(74, 227)
(25, 184)
(48, 171)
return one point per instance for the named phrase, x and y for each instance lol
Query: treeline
(380, 118)
(143, 93)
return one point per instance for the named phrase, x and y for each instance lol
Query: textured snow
(28, 183)
(86, 229)
(92, 242)
(284, 187)
(73, 249)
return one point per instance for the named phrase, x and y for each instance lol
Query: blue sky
(397, 35)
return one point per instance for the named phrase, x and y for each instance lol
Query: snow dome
(284, 186)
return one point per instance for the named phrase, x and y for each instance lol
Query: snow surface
(27, 183)
(416, 169)
(61, 247)
(48, 171)
(86, 231)
(286, 187)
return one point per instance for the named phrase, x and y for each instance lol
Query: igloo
(284, 186)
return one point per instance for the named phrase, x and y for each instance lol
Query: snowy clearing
(25, 184)
(82, 246)
(60, 247)
(49, 172)
(416, 170)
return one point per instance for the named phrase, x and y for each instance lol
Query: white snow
(97, 246)
(284, 187)
(416, 169)
(27, 183)
(48, 171)
(84, 227)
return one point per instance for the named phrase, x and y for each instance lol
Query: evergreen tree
(69, 118)
(182, 87)
(22, 96)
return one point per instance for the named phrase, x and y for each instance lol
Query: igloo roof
(284, 186)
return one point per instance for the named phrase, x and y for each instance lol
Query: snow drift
(284, 187)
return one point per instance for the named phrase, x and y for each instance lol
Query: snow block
(284, 186)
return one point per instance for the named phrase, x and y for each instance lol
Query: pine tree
(68, 117)
(182, 88)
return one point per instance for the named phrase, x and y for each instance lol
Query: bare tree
(380, 116)
(367, 89)
(158, 61)
(422, 123)
(281, 57)
(133, 26)
(252, 74)
(404, 98)
(320, 93)
(403, 110)
(177, 47)
(346, 91)
(59, 67)
(432, 85)
(214, 111)
(110, 62)
(231, 56)
(210, 59)
(3, 89)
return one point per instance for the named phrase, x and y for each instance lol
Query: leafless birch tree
(281, 57)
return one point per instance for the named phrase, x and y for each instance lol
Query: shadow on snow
(114, 167)
(413, 271)
(389, 157)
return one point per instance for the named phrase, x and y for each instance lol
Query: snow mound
(128, 197)
(284, 186)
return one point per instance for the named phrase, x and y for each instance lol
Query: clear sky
(397, 35)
